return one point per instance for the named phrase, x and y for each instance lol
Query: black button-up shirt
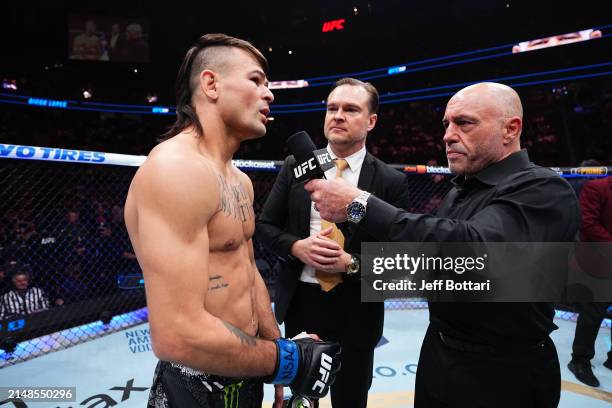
(512, 200)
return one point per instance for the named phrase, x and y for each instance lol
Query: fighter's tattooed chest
(234, 201)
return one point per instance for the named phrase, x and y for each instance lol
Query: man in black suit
(478, 354)
(318, 287)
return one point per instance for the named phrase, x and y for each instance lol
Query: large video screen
(102, 38)
(555, 40)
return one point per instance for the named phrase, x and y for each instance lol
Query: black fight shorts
(177, 386)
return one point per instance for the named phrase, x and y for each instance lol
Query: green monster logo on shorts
(231, 393)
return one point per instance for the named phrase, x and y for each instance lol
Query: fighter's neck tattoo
(234, 201)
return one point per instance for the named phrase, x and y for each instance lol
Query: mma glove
(307, 366)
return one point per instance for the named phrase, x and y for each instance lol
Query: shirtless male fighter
(190, 218)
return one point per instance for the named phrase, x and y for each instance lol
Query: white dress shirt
(351, 175)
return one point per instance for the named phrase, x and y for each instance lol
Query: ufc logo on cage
(326, 364)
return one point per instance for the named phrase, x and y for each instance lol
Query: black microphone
(310, 163)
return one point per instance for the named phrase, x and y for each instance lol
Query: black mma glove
(307, 366)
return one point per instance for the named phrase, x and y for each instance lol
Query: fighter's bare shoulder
(176, 178)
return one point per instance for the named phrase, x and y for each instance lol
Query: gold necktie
(329, 280)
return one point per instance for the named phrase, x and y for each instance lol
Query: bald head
(491, 95)
(483, 126)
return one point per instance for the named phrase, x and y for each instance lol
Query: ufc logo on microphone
(326, 363)
(301, 169)
(324, 158)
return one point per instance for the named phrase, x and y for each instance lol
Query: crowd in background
(67, 238)
(563, 126)
(52, 259)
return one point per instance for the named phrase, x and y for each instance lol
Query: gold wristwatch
(353, 266)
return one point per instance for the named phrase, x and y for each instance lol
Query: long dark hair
(185, 111)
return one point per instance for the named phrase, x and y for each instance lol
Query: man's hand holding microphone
(318, 251)
(306, 364)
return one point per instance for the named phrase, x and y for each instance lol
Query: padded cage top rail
(59, 154)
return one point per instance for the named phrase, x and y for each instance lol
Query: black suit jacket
(285, 218)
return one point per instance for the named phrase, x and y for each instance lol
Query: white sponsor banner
(58, 154)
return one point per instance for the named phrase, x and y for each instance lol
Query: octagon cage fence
(62, 223)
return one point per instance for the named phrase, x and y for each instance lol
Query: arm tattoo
(244, 338)
(234, 200)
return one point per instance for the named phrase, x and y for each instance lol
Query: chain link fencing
(62, 229)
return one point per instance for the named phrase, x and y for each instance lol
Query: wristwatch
(353, 267)
(356, 209)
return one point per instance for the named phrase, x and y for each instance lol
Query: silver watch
(356, 210)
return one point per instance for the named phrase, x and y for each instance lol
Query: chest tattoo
(234, 201)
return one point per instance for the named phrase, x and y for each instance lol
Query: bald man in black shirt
(479, 354)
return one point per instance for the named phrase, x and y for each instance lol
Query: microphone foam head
(301, 146)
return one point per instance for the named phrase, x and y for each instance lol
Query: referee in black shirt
(477, 354)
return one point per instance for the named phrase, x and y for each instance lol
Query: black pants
(451, 378)
(332, 315)
(588, 324)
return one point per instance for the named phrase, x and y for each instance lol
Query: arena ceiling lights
(521, 80)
